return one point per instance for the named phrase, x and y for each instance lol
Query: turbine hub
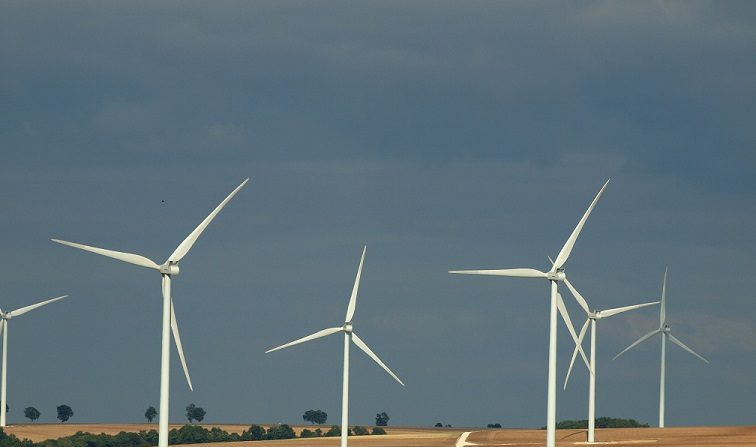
(169, 268)
(667, 329)
(348, 328)
(557, 275)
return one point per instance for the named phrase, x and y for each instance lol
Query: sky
(442, 135)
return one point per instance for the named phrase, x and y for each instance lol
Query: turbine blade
(318, 334)
(522, 273)
(179, 347)
(568, 323)
(663, 310)
(125, 257)
(637, 342)
(682, 345)
(578, 297)
(619, 310)
(361, 344)
(565, 252)
(186, 245)
(575, 351)
(353, 298)
(23, 310)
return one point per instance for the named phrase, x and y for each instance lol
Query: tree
(334, 431)
(496, 425)
(315, 416)
(31, 413)
(438, 424)
(359, 430)
(150, 413)
(64, 413)
(381, 419)
(378, 431)
(195, 413)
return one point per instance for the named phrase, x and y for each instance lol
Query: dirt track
(429, 437)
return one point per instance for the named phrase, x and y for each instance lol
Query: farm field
(446, 437)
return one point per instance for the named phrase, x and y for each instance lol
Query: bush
(307, 433)
(254, 433)
(281, 431)
(438, 424)
(359, 430)
(335, 430)
(497, 425)
(378, 431)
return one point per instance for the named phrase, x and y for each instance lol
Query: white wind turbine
(666, 332)
(168, 269)
(349, 335)
(555, 275)
(594, 316)
(4, 320)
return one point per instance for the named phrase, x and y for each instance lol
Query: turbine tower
(4, 320)
(554, 276)
(168, 269)
(593, 316)
(666, 332)
(349, 335)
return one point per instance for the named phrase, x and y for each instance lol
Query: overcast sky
(444, 135)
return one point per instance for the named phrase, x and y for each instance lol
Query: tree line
(188, 434)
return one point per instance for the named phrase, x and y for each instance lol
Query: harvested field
(446, 437)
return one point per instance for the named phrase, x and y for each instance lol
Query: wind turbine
(666, 332)
(168, 269)
(555, 275)
(4, 320)
(594, 316)
(349, 335)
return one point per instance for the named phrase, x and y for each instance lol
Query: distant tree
(280, 431)
(199, 414)
(438, 424)
(497, 425)
(315, 416)
(359, 430)
(378, 431)
(307, 433)
(31, 413)
(448, 425)
(195, 413)
(64, 413)
(381, 419)
(150, 413)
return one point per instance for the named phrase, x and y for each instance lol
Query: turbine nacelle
(666, 329)
(347, 328)
(169, 268)
(558, 275)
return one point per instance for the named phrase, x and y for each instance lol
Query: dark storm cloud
(442, 134)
